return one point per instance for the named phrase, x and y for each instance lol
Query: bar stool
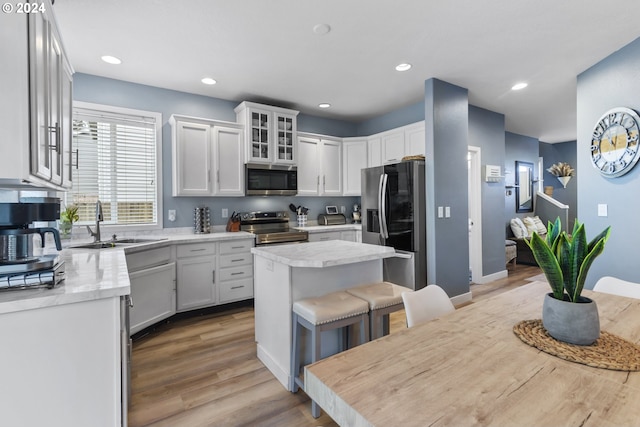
(332, 311)
(383, 298)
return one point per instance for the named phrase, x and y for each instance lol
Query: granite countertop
(92, 274)
(323, 254)
(320, 228)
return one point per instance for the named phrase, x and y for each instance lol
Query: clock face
(614, 144)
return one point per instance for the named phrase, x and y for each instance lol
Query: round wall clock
(614, 144)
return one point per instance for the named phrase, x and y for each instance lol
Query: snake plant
(565, 259)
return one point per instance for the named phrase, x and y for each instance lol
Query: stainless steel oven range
(271, 228)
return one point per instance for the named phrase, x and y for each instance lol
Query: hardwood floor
(203, 371)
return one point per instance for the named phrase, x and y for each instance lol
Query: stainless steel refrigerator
(393, 214)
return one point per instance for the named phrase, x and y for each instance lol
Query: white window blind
(117, 163)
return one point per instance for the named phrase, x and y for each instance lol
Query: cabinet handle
(197, 250)
(77, 158)
(218, 177)
(318, 184)
(237, 260)
(214, 276)
(237, 287)
(324, 182)
(237, 247)
(56, 130)
(130, 301)
(237, 273)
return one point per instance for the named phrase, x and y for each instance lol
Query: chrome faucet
(99, 218)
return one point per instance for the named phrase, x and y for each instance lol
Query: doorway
(475, 213)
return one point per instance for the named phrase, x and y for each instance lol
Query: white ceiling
(267, 51)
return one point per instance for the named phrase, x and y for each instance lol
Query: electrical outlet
(440, 212)
(172, 215)
(342, 209)
(447, 212)
(225, 213)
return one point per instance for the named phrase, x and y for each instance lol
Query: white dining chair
(613, 285)
(426, 304)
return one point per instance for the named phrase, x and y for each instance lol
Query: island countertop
(323, 254)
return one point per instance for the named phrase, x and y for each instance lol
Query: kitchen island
(284, 274)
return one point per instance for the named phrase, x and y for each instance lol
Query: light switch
(440, 214)
(602, 209)
(225, 213)
(447, 212)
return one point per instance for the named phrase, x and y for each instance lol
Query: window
(119, 163)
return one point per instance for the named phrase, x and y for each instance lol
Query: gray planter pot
(571, 322)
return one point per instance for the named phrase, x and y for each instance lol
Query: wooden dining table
(468, 368)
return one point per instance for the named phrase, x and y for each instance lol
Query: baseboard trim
(491, 277)
(461, 299)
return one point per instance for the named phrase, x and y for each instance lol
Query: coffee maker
(356, 214)
(19, 267)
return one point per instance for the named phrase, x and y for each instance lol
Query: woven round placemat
(608, 352)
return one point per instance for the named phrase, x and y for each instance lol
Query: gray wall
(613, 82)
(403, 116)
(118, 93)
(525, 149)
(486, 130)
(447, 141)
(561, 152)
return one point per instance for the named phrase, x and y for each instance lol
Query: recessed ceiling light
(519, 86)
(208, 81)
(111, 60)
(403, 67)
(324, 105)
(321, 29)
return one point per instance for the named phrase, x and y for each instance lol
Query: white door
(308, 166)
(192, 160)
(354, 159)
(393, 147)
(153, 292)
(475, 214)
(331, 176)
(229, 180)
(196, 282)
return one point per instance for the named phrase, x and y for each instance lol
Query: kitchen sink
(114, 243)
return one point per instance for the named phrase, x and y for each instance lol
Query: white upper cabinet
(319, 166)
(354, 159)
(270, 133)
(374, 151)
(393, 147)
(229, 165)
(207, 157)
(35, 133)
(414, 139)
(403, 141)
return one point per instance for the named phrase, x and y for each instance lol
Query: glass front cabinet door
(270, 133)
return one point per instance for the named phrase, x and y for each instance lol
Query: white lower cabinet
(196, 265)
(323, 236)
(153, 287)
(236, 270)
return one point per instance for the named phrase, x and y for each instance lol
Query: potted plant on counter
(565, 261)
(67, 218)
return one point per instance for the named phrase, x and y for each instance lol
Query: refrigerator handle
(383, 203)
(380, 208)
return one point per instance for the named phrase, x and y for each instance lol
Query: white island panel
(287, 273)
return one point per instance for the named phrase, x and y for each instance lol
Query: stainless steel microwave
(271, 180)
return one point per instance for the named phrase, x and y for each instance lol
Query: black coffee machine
(18, 265)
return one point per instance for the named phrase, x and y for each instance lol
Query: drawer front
(236, 290)
(150, 258)
(235, 273)
(195, 249)
(323, 237)
(235, 246)
(234, 260)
